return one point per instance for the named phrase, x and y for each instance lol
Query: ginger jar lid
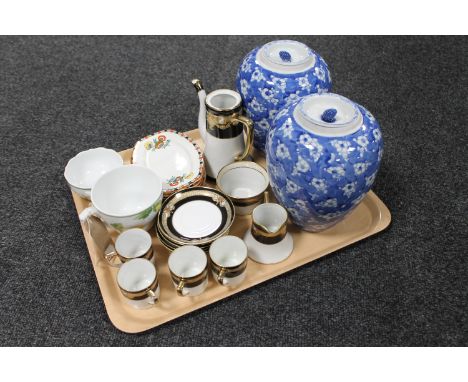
(286, 56)
(328, 115)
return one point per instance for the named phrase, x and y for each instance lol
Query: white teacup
(189, 270)
(228, 256)
(85, 168)
(245, 183)
(138, 282)
(135, 243)
(126, 197)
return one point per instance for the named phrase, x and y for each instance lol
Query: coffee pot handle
(249, 132)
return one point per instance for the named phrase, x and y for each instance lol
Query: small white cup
(131, 244)
(85, 168)
(138, 282)
(189, 270)
(228, 256)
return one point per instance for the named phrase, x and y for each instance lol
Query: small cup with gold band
(228, 258)
(188, 266)
(135, 243)
(138, 283)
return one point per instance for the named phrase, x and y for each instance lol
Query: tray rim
(383, 222)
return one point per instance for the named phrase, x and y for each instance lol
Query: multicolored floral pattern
(319, 180)
(174, 181)
(265, 93)
(197, 179)
(157, 143)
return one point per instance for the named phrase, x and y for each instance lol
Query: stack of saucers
(194, 216)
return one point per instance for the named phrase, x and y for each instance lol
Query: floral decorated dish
(174, 157)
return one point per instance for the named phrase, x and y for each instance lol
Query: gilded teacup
(135, 243)
(188, 266)
(228, 256)
(245, 183)
(138, 282)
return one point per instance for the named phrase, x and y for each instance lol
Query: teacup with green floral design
(126, 197)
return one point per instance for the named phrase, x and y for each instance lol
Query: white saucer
(268, 253)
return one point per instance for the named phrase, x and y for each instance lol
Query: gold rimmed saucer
(195, 216)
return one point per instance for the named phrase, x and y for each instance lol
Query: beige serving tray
(370, 217)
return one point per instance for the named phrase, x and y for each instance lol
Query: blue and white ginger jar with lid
(274, 76)
(323, 153)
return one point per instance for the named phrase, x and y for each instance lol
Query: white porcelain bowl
(126, 197)
(84, 169)
(245, 183)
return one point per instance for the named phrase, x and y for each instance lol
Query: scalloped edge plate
(174, 157)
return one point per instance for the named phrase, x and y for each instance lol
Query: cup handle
(110, 257)
(87, 213)
(154, 299)
(249, 132)
(180, 288)
(220, 276)
(266, 197)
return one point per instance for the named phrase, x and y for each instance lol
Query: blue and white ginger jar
(274, 76)
(323, 153)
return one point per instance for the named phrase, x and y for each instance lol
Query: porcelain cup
(245, 183)
(135, 243)
(85, 168)
(188, 266)
(126, 197)
(228, 256)
(138, 282)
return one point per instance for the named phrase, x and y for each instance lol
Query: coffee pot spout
(202, 113)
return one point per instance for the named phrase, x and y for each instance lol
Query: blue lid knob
(285, 56)
(329, 115)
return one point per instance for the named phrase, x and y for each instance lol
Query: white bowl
(245, 183)
(84, 169)
(126, 197)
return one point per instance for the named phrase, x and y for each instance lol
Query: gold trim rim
(229, 222)
(240, 164)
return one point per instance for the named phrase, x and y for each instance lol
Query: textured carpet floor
(406, 286)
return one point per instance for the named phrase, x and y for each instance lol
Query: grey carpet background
(406, 286)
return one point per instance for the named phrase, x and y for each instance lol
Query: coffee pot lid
(328, 114)
(286, 56)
